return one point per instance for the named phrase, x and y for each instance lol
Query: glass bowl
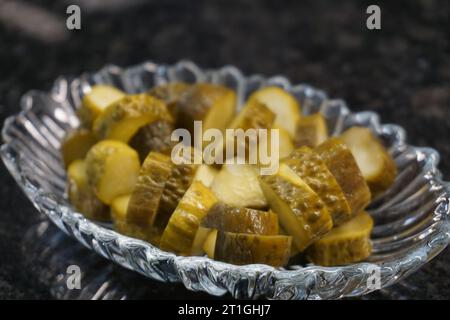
(411, 219)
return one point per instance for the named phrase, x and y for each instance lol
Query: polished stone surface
(401, 71)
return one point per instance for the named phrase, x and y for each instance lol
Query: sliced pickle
(345, 244)
(82, 196)
(170, 93)
(311, 130)
(300, 210)
(198, 245)
(240, 220)
(214, 105)
(210, 243)
(254, 115)
(179, 180)
(112, 168)
(206, 174)
(76, 145)
(341, 163)
(119, 215)
(283, 104)
(238, 186)
(377, 166)
(122, 119)
(308, 165)
(96, 101)
(145, 200)
(285, 143)
(294, 249)
(242, 248)
(153, 137)
(179, 234)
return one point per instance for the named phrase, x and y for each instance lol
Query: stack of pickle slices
(120, 169)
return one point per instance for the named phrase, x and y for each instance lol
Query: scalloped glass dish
(411, 219)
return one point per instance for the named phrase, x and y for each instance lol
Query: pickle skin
(96, 101)
(215, 105)
(76, 145)
(170, 93)
(119, 208)
(82, 196)
(282, 103)
(341, 163)
(240, 248)
(310, 167)
(112, 168)
(300, 210)
(145, 200)
(240, 220)
(180, 232)
(254, 115)
(348, 243)
(122, 119)
(369, 152)
(311, 131)
(179, 180)
(153, 137)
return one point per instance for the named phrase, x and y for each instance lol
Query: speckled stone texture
(402, 72)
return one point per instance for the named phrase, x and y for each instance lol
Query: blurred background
(401, 71)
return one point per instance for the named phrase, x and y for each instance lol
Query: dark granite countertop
(401, 71)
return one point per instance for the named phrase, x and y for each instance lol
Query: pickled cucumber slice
(184, 222)
(76, 145)
(206, 174)
(300, 210)
(170, 93)
(153, 137)
(96, 101)
(254, 115)
(308, 165)
(119, 208)
(179, 180)
(214, 105)
(311, 130)
(81, 194)
(294, 249)
(199, 243)
(377, 166)
(285, 143)
(240, 220)
(345, 244)
(210, 243)
(341, 163)
(242, 248)
(112, 168)
(283, 104)
(146, 197)
(122, 119)
(238, 186)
